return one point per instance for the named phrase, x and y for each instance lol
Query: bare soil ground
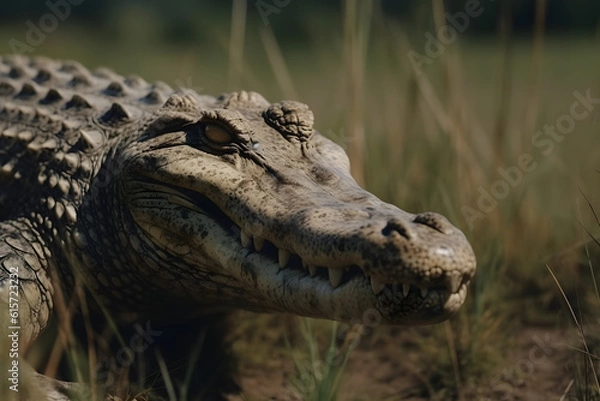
(538, 368)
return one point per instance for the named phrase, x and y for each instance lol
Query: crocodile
(172, 205)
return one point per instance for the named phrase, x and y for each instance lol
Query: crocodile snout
(409, 229)
(424, 250)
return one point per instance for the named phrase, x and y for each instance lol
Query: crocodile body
(167, 204)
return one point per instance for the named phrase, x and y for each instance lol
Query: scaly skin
(174, 205)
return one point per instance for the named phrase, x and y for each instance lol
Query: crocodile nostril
(394, 226)
(435, 221)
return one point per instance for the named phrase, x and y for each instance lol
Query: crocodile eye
(218, 134)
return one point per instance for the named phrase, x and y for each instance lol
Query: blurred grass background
(427, 140)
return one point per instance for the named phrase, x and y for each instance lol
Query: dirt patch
(537, 368)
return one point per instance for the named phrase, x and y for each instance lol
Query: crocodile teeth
(245, 239)
(284, 258)
(405, 289)
(258, 243)
(312, 270)
(335, 277)
(377, 286)
(424, 292)
(454, 283)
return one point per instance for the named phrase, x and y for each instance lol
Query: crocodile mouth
(339, 293)
(336, 277)
(393, 302)
(284, 259)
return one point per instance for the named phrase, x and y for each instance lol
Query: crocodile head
(259, 211)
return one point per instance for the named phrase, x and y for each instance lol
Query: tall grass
(357, 20)
(319, 376)
(587, 354)
(236, 43)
